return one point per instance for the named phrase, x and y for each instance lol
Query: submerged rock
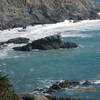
(24, 48)
(2, 45)
(87, 83)
(18, 40)
(47, 43)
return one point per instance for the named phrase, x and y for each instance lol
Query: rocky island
(47, 43)
(21, 13)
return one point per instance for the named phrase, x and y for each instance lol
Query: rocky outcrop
(47, 43)
(98, 6)
(59, 85)
(87, 83)
(20, 13)
(40, 97)
(18, 40)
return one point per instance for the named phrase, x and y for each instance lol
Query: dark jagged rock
(87, 83)
(24, 48)
(60, 85)
(47, 43)
(18, 40)
(20, 13)
(98, 6)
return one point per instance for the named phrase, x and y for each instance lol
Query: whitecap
(31, 69)
(76, 35)
(94, 82)
(66, 28)
(97, 82)
(40, 31)
(99, 14)
(4, 64)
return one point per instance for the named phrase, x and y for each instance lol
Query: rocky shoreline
(7, 92)
(41, 97)
(59, 85)
(22, 13)
(54, 88)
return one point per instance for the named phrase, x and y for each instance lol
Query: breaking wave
(66, 28)
(40, 31)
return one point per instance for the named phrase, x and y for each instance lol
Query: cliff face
(98, 6)
(14, 13)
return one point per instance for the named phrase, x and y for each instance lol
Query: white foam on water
(3, 54)
(76, 35)
(99, 14)
(40, 31)
(48, 83)
(97, 82)
(66, 28)
(7, 52)
(45, 83)
(92, 81)
(4, 64)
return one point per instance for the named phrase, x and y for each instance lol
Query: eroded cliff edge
(20, 13)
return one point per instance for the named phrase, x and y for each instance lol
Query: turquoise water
(38, 69)
(97, 0)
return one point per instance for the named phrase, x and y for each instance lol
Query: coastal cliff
(20, 13)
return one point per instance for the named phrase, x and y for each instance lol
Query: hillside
(15, 13)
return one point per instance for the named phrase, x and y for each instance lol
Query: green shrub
(6, 90)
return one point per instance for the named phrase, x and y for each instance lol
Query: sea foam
(99, 14)
(41, 31)
(66, 28)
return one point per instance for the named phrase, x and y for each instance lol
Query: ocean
(39, 69)
(97, 0)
